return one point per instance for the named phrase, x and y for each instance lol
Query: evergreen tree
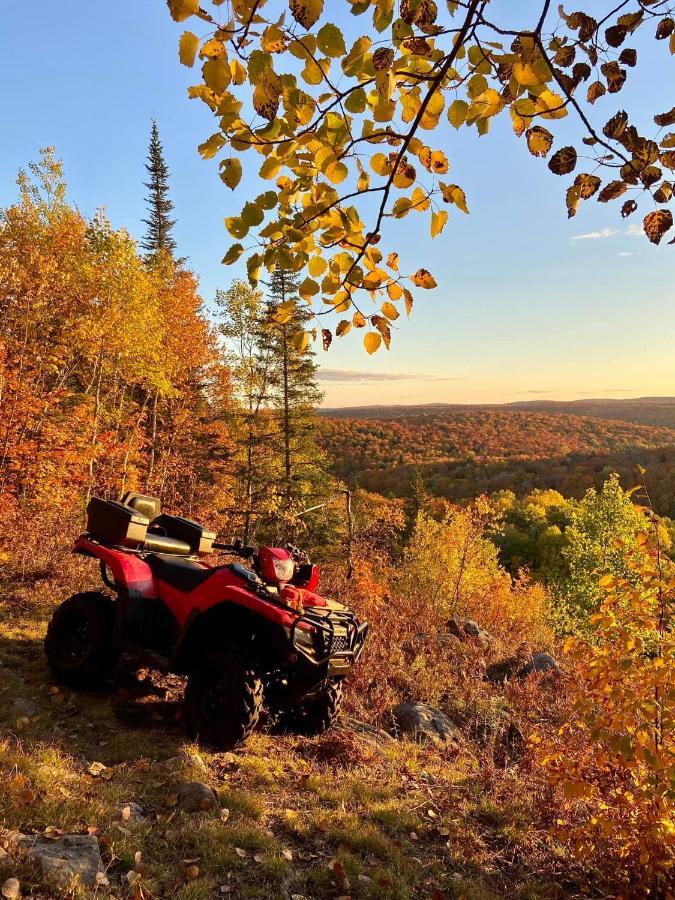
(254, 430)
(159, 235)
(294, 392)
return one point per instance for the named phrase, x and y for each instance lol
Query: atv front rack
(328, 635)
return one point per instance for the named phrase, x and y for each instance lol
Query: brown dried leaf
(657, 223)
(616, 126)
(628, 57)
(587, 184)
(628, 208)
(665, 28)
(615, 75)
(539, 140)
(667, 118)
(615, 35)
(595, 91)
(664, 192)
(563, 161)
(612, 190)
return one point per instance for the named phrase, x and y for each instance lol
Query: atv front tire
(223, 699)
(78, 644)
(315, 715)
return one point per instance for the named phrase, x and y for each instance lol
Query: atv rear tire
(223, 699)
(315, 715)
(78, 644)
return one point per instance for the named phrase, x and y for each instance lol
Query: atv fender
(229, 622)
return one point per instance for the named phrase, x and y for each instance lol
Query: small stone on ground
(67, 857)
(195, 796)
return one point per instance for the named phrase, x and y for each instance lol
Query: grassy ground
(336, 816)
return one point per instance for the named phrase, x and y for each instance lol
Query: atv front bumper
(332, 637)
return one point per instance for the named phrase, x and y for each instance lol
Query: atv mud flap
(332, 638)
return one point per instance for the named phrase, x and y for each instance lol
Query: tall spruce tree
(294, 392)
(255, 464)
(159, 235)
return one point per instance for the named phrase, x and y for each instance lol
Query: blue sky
(529, 305)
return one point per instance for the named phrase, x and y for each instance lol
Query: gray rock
(132, 812)
(464, 629)
(366, 730)
(539, 662)
(26, 707)
(67, 858)
(425, 724)
(195, 797)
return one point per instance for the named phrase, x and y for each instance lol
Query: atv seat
(183, 574)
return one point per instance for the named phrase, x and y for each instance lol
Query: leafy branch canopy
(346, 135)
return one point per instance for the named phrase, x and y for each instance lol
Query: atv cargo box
(197, 536)
(115, 523)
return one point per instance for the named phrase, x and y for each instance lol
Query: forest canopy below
(460, 452)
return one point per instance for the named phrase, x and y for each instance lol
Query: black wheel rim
(215, 699)
(76, 641)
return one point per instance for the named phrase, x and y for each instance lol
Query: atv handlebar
(238, 549)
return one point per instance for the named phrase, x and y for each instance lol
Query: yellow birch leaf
(330, 41)
(230, 172)
(457, 113)
(187, 48)
(183, 9)
(438, 220)
(217, 74)
(238, 72)
(372, 341)
(317, 265)
(300, 340)
(389, 310)
(209, 148)
(272, 40)
(308, 288)
(306, 12)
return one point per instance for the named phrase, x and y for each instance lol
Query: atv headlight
(284, 569)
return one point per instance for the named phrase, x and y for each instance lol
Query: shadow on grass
(137, 715)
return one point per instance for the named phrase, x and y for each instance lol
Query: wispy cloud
(600, 392)
(595, 235)
(353, 376)
(630, 253)
(534, 392)
(635, 230)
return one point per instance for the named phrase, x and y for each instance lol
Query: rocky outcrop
(468, 630)
(539, 662)
(519, 667)
(425, 724)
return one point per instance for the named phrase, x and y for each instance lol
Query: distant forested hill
(643, 410)
(464, 451)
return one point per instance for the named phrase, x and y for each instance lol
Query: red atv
(243, 634)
